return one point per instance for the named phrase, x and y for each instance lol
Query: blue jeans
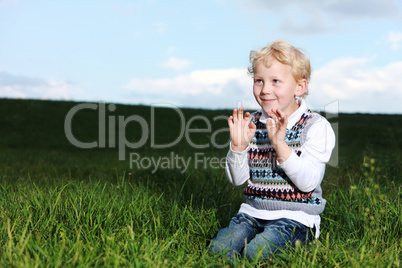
(248, 236)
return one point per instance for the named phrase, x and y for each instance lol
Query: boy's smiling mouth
(268, 100)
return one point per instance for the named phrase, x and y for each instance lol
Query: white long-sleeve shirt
(317, 148)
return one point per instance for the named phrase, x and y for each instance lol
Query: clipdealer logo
(108, 123)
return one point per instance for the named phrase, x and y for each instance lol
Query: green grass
(63, 206)
(105, 224)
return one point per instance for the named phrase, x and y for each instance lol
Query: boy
(281, 151)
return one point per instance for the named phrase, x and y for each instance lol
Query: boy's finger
(230, 120)
(270, 125)
(234, 116)
(251, 125)
(241, 112)
(247, 116)
(281, 114)
(273, 116)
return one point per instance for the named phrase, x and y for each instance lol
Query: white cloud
(317, 16)
(13, 86)
(176, 64)
(358, 86)
(395, 39)
(203, 88)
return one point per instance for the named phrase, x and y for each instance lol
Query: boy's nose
(266, 89)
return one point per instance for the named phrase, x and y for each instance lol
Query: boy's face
(275, 87)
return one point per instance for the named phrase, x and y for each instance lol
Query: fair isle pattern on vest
(269, 187)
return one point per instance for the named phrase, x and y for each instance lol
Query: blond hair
(285, 53)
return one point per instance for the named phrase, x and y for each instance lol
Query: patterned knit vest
(269, 187)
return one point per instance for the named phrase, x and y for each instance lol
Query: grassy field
(65, 206)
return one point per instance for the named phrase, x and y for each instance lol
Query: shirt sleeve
(237, 169)
(307, 170)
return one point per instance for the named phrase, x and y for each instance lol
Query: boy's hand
(242, 130)
(277, 133)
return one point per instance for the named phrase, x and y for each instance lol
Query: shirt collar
(293, 118)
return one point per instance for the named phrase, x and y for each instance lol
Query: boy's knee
(216, 247)
(250, 252)
(258, 249)
(258, 252)
(222, 249)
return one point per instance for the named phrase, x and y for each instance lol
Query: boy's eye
(258, 81)
(275, 81)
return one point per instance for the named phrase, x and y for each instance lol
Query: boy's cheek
(256, 92)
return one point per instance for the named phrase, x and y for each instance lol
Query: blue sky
(195, 53)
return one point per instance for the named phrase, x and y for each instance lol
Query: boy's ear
(301, 87)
